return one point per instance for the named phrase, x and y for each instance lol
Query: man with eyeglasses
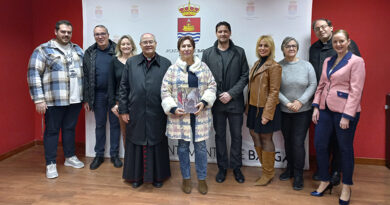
(146, 155)
(97, 61)
(322, 48)
(55, 83)
(319, 51)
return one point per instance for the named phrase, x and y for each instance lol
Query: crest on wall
(190, 25)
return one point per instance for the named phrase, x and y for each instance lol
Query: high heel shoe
(319, 194)
(342, 202)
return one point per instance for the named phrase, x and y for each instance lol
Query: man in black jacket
(146, 155)
(322, 48)
(230, 69)
(319, 51)
(97, 61)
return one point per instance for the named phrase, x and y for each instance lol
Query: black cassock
(146, 149)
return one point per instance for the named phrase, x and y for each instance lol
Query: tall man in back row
(230, 69)
(55, 80)
(319, 51)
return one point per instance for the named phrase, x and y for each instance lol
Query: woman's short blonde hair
(270, 41)
(118, 46)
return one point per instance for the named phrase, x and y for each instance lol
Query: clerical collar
(149, 59)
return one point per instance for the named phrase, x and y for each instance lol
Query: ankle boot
(186, 186)
(268, 168)
(287, 174)
(202, 187)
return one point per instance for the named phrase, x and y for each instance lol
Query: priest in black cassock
(146, 148)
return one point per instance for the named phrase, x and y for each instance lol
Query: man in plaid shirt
(55, 81)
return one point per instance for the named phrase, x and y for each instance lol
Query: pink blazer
(342, 88)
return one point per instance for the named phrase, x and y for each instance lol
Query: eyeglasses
(323, 27)
(100, 34)
(290, 46)
(150, 42)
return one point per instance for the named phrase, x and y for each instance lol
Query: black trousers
(294, 129)
(235, 124)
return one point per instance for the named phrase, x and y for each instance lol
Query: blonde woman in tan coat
(263, 108)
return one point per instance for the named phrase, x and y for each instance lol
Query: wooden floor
(23, 181)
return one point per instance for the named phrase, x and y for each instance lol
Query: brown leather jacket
(264, 85)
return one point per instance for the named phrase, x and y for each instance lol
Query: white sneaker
(51, 171)
(73, 162)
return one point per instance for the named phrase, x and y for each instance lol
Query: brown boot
(259, 154)
(186, 187)
(202, 187)
(268, 168)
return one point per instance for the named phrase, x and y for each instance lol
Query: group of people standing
(145, 98)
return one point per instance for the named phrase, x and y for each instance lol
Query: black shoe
(238, 175)
(298, 183)
(157, 184)
(335, 178)
(97, 161)
(137, 184)
(286, 175)
(316, 176)
(116, 161)
(221, 176)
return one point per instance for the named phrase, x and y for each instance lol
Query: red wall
(33, 24)
(17, 116)
(368, 25)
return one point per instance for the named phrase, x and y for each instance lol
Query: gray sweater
(298, 83)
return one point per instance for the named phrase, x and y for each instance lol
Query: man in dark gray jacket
(97, 61)
(230, 68)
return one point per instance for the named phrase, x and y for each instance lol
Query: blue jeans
(100, 109)
(183, 151)
(328, 122)
(56, 118)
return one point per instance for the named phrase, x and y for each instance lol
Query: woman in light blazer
(337, 107)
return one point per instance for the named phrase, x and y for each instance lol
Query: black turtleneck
(262, 61)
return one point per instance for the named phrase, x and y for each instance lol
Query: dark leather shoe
(157, 184)
(136, 184)
(298, 183)
(97, 161)
(316, 176)
(286, 175)
(335, 178)
(221, 176)
(116, 161)
(238, 175)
